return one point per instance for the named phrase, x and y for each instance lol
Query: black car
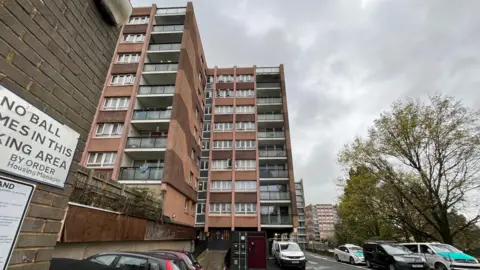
(135, 261)
(392, 256)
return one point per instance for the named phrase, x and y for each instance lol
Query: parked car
(349, 253)
(182, 255)
(288, 254)
(135, 261)
(392, 256)
(71, 264)
(443, 256)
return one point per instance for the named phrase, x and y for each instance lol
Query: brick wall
(54, 54)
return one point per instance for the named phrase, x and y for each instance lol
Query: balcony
(272, 154)
(168, 32)
(158, 95)
(267, 70)
(270, 137)
(273, 174)
(164, 52)
(269, 86)
(271, 100)
(159, 74)
(275, 221)
(167, 28)
(274, 197)
(136, 174)
(147, 120)
(270, 117)
(146, 147)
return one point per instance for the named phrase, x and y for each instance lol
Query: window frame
(222, 145)
(221, 186)
(243, 164)
(111, 127)
(134, 38)
(227, 162)
(245, 126)
(246, 208)
(103, 158)
(245, 109)
(117, 101)
(221, 109)
(245, 93)
(245, 144)
(138, 20)
(223, 127)
(246, 185)
(130, 57)
(123, 79)
(220, 208)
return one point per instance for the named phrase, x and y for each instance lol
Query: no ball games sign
(32, 144)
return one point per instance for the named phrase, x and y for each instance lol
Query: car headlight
(399, 259)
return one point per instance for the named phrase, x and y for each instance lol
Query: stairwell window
(225, 164)
(134, 38)
(245, 109)
(128, 58)
(223, 127)
(116, 104)
(206, 127)
(220, 208)
(245, 164)
(138, 20)
(204, 164)
(245, 126)
(250, 144)
(221, 145)
(123, 79)
(245, 185)
(101, 159)
(200, 208)
(245, 93)
(109, 130)
(245, 208)
(223, 109)
(221, 186)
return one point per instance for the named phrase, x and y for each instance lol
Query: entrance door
(257, 252)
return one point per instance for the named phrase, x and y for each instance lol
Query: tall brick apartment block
(214, 142)
(55, 55)
(320, 221)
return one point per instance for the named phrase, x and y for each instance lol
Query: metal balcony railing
(268, 85)
(273, 174)
(171, 11)
(275, 220)
(160, 67)
(268, 70)
(269, 100)
(146, 142)
(270, 116)
(272, 153)
(271, 134)
(164, 47)
(274, 196)
(167, 28)
(135, 173)
(152, 114)
(157, 89)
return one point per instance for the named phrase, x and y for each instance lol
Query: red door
(257, 252)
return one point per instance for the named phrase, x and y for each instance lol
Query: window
(123, 79)
(208, 94)
(245, 164)
(206, 127)
(210, 79)
(192, 155)
(127, 262)
(202, 186)
(128, 58)
(245, 126)
(134, 38)
(245, 208)
(221, 186)
(223, 109)
(186, 205)
(220, 208)
(224, 93)
(223, 126)
(200, 208)
(208, 110)
(109, 130)
(101, 159)
(245, 144)
(222, 144)
(245, 109)
(245, 185)
(116, 104)
(225, 78)
(104, 259)
(191, 178)
(413, 247)
(244, 78)
(221, 164)
(245, 93)
(204, 164)
(206, 145)
(138, 20)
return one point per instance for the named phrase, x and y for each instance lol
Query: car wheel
(337, 258)
(391, 267)
(440, 266)
(369, 265)
(352, 261)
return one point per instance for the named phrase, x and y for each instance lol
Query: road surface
(319, 262)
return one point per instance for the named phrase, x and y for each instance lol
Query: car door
(429, 255)
(381, 257)
(127, 262)
(345, 254)
(340, 253)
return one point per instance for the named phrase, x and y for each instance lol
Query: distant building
(300, 198)
(320, 221)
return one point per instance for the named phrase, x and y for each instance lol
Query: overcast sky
(345, 62)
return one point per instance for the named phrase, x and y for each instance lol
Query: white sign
(32, 144)
(14, 199)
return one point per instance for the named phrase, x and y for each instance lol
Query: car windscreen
(444, 248)
(396, 250)
(290, 247)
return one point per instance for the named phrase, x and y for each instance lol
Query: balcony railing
(147, 142)
(269, 100)
(271, 134)
(160, 67)
(269, 85)
(164, 47)
(171, 11)
(154, 90)
(275, 220)
(274, 174)
(200, 218)
(274, 196)
(136, 173)
(272, 153)
(270, 117)
(268, 70)
(167, 28)
(152, 114)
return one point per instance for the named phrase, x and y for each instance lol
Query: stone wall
(54, 54)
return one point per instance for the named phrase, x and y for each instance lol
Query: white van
(288, 254)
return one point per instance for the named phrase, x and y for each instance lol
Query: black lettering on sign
(6, 185)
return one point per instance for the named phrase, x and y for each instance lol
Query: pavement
(212, 260)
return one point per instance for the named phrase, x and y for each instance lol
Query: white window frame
(245, 126)
(124, 58)
(245, 164)
(223, 109)
(245, 93)
(138, 20)
(224, 78)
(224, 93)
(206, 126)
(116, 103)
(223, 127)
(245, 78)
(221, 164)
(220, 208)
(202, 208)
(249, 109)
(221, 186)
(245, 208)
(208, 110)
(127, 79)
(202, 186)
(109, 130)
(101, 159)
(245, 144)
(205, 145)
(244, 185)
(220, 145)
(134, 38)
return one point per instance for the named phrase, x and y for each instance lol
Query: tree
(428, 155)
